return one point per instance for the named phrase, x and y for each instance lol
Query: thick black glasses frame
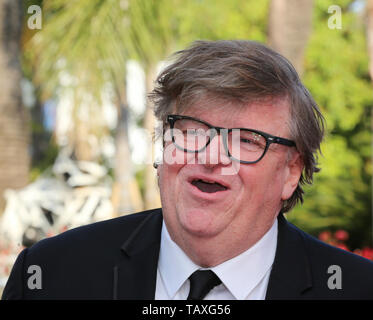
(172, 118)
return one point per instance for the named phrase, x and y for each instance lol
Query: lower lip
(213, 196)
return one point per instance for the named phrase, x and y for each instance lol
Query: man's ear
(158, 172)
(294, 168)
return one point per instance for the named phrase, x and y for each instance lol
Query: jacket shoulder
(78, 262)
(338, 273)
(103, 233)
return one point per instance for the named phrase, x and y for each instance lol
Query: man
(240, 137)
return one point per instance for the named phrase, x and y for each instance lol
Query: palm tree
(14, 119)
(84, 42)
(289, 28)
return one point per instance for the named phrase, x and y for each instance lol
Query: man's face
(254, 192)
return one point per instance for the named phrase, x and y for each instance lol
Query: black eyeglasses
(241, 144)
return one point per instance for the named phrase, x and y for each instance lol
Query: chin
(199, 222)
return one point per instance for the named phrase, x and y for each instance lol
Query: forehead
(271, 115)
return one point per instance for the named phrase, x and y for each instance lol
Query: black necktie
(201, 282)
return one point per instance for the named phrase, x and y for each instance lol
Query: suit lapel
(291, 271)
(135, 277)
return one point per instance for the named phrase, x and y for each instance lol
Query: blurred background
(76, 128)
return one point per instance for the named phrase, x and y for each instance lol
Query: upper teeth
(207, 181)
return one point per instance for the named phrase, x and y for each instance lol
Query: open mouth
(208, 186)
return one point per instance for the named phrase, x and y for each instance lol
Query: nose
(214, 153)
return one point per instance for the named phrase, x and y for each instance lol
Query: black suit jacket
(117, 259)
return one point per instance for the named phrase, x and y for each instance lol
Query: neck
(208, 252)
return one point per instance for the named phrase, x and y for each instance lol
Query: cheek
(167, 178)
(168, 174)
(173, 156)
(262, 182)
(275, 184)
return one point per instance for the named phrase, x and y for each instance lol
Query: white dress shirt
(244, 277)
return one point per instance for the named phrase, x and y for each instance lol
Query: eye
(195, 132)
(251, 138)
(244, 140)
(191, 131)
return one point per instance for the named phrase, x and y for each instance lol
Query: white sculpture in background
(74, 193)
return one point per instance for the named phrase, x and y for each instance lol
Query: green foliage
(336, 73)
(153, 31)
(220, 19)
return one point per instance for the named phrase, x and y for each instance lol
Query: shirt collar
(174, 265)
(244, 272)
(240, 274)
